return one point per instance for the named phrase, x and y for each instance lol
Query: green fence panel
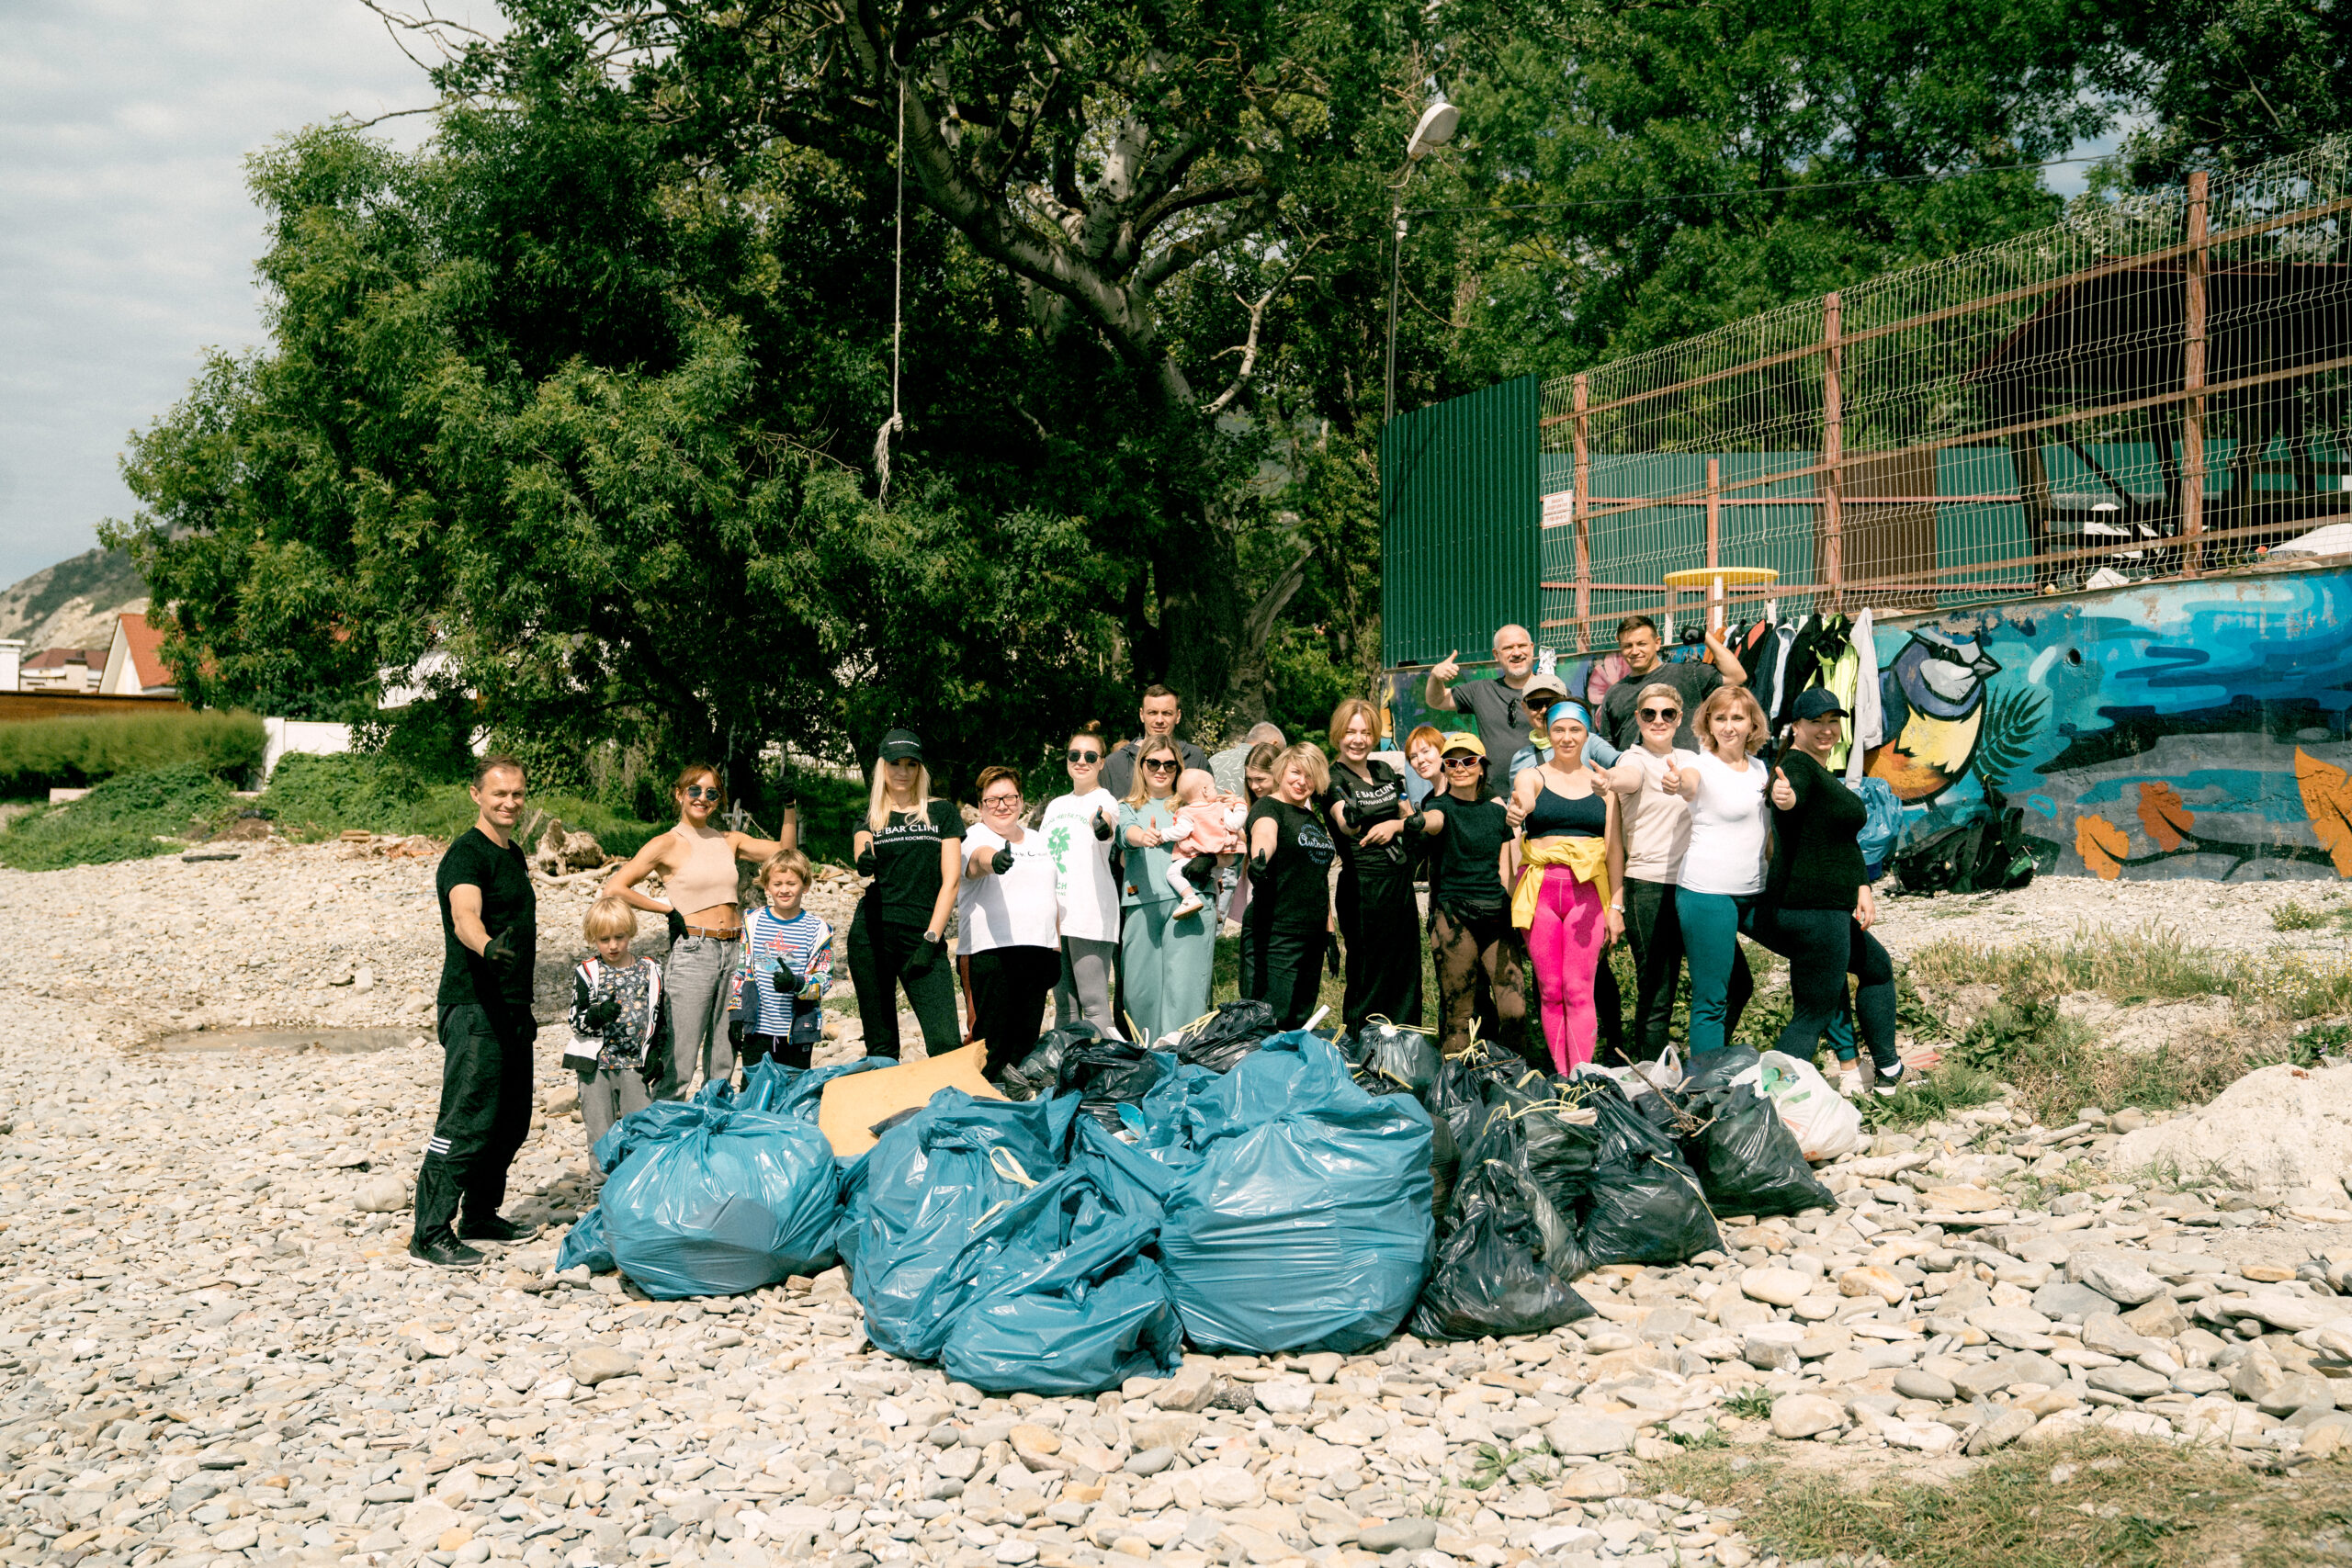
(1460, 516)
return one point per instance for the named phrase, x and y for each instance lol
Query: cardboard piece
(854, 1103)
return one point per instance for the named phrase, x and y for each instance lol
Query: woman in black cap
(912, 846)
(1817, 910)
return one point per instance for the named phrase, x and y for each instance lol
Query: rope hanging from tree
(897, 422)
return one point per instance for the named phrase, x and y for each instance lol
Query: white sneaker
(1189, 907)
(1849, 1083)
(1890, 1080)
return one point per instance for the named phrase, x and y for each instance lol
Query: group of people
(1657, 811)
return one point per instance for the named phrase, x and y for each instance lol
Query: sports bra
(1556, 816)
(707, 877)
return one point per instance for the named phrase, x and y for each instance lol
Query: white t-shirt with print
(1083, 863)
(1007, 909)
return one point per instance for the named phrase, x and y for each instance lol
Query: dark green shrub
(75, 752)
(129, 817)
(318, 797)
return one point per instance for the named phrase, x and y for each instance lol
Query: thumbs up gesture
(1784, 795)
(1671, 782)
(1448, 669)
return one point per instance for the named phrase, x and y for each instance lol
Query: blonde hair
(1303, 754)
(1703, 724)
(792, 860)
(1345, 715)
(1135, 796)
(878, 799)
(609, 916)
(1663, 689)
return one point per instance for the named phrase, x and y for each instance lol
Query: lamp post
(1433, 131)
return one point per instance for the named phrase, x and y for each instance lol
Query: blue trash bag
(929, 1187)
(795, 1091)
(716, 1201)
(1305, 1224)
(1882, 824)
(583, 1245)
(1137, 1181)
(1065, 1301)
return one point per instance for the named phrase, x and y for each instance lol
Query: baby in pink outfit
(1207, 825)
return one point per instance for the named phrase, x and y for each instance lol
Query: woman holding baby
(1379, 923)
(1168, 939)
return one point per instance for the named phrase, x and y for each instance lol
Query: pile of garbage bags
(1251, 1190)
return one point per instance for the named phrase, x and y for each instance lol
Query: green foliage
(72, 753)
(1753, 1402)
(318, 797)
(131, 817)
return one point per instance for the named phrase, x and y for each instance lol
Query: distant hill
(73, 603)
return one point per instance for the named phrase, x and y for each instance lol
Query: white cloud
(127, 237)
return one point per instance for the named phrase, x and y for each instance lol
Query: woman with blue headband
(1571, 855)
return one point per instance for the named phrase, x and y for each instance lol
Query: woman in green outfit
(1164, 962)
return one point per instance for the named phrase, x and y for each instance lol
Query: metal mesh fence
(2156, 387)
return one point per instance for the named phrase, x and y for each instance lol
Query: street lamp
(1432, 131)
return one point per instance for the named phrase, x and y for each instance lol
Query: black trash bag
(1231, 1032)
(1559, 1134)
(1713, 1069)
(1505, 1265)
(1040, 1071)
(1645, 1204)
(1660, 1112)
(1457, 1096)
(1747, 1159)
(1108, 1074)
(1406, 1057)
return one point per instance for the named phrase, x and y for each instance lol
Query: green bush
(124, 819)
(75, 752)
(318, 797)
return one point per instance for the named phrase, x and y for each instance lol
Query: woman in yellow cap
(1472, 857)
(1574, 854)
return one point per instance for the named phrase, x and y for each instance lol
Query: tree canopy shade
(587, 390)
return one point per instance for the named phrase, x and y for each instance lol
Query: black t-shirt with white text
(1294, 890)
(1369, 801)
(906, 862)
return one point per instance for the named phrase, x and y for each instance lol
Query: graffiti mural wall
(2175, 730)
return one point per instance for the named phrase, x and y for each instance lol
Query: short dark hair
(1635, 623)
(1157, 690)
(989, 776)
(488, 765)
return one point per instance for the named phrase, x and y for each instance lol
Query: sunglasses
(1083, 756)
(1659, 715)
(696, 792)
(1157, 766)
(1462, 762)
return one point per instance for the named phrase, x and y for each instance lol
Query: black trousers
(1011, 987)
(1286, 969)
(757, 1048)
(1653, 932)
(878, 951)
(1822, 946)
(1381, 927)
(485, 1114)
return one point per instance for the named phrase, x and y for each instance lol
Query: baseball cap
(903, 746)
(1542, 681)
(1819, 702)
(1463, 740)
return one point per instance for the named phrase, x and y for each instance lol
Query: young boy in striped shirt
(788, 958)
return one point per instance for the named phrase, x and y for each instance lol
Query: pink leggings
(1566, 942)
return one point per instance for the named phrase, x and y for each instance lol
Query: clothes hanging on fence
(1869, 725)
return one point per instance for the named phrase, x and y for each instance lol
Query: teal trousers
(1164, 966)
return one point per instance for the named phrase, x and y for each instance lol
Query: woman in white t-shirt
(1656, 821)
(1077, 833)
(1008, 920)
(1722, 864)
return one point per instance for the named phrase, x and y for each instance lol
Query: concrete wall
(312, 739)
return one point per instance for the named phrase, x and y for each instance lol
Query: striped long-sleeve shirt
(803, 944)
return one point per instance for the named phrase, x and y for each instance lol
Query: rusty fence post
(2192, 381)
(1715, 542)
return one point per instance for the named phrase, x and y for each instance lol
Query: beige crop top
(707, 877)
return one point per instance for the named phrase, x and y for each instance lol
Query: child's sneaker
(1890, 1080)
(1191, 906)
(1849, 1083)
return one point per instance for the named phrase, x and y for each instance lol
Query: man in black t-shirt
(489, 945)
(1493, 705)
(1161, 713)
(1637, 642)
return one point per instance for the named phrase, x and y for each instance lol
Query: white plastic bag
(1826, 1123)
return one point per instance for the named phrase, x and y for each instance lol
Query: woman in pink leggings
(1572, 859)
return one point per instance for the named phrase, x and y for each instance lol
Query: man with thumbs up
(1496, 705)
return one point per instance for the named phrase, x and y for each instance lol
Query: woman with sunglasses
(1290, 875)
(1380, 921)
(1656, 820)
(1573, 855)
(1007, 919)
(912, 846)
(706, 918)
(1077, 830)
(1472, 858)
(1164, 962)
(1723, 861)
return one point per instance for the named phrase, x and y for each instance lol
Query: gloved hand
(865, 861)
(1001, 861)
(785, 981)
(735, 1034)
(1259, 859)
(500, 949)
(1101, 828)
(1331, 950)
(602, 1015)
(1344, 816)
(786, 797)
(927, 953)
(677, 924)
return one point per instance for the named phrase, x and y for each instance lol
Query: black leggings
(1010, 986)
(878, 951)
(1822, 946)
(1480, 953)
(1381, 927)
(1286, 968)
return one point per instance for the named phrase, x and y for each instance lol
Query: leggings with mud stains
(1478, 952)
(1566, 942)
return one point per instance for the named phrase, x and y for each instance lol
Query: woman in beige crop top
(697, 865)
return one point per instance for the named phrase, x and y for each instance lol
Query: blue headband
(1576, 710)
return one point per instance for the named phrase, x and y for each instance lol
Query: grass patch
(1930, 1096)
(2095, 1500)
(2154, 964)
(310, 799)
(134, 816)
(2296, 916)
(73, 752)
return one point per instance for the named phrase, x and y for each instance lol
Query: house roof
(144, 644)
(59, 658)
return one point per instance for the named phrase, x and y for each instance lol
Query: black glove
(1418, 822)
(1001, 861)
(1201, 869)
(865, 861)
(1258, 858)
(602, 1015)
(500, 949)
(1344, 816)
(785, 982)
(786, 797)
(1101, 828)
(927, 953)
(735, 1034)
(677, 924)
(1331, 950)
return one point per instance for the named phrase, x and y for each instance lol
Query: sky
(127, 236)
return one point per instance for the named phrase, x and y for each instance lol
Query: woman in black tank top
(1576, 859)
(1480, 968)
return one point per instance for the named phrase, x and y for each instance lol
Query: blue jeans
(1720, 983)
